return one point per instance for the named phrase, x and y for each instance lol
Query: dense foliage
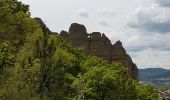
(39, 66)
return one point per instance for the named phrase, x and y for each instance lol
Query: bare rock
(78, 36)
(77, 29)
(45, 29)
(97, 44)
(119, 54)
(64, 34)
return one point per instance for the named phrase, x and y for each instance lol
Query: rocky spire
(43, 26)
(77, 29)
(64, 34)
(119, 54)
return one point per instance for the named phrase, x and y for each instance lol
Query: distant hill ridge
(153, 74)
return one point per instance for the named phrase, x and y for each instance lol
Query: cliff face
(119, 54)
(98, 44)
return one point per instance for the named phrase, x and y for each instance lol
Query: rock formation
(119, 54)
(45, 29)
(99, 45)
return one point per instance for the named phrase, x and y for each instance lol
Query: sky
(143, 26)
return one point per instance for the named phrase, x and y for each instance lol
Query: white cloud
(152, 19)
(103, 22)
(140, 42)
(82, 12)
(151, 58)
(105, 12)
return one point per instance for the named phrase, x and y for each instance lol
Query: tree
(5, 62)
(6, 57)
(103, 81)
(16, 6)
(61, 67)
(15, 22)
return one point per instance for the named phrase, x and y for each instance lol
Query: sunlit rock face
(97, 44)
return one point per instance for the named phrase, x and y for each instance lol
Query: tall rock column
(78, 35)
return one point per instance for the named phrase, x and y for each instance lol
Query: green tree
(6, 57)
(5, 62)
(103, 81)
(61, 67)
(15, 22)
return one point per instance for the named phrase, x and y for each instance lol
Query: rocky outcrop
(119, 54)
(45, 29)
(100, 45)
(97, 44)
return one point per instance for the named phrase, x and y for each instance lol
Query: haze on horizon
(142, 25)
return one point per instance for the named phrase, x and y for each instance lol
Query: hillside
(37, 64)
(151, 74)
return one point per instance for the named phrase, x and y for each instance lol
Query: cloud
(151, 58)
(150, 47)
(103, 22)
(136, 42)
(105, 12)
(163, 3)
(140, 42)
(152, 19)
(146, 50)
(82, 13)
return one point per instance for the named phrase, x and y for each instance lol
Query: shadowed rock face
(119, 54)
(43, 26)
(97, 44)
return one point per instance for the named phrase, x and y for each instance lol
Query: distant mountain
(152, 74)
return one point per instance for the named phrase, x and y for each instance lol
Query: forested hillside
(36, 64)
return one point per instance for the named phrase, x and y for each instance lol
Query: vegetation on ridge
(38, 66)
